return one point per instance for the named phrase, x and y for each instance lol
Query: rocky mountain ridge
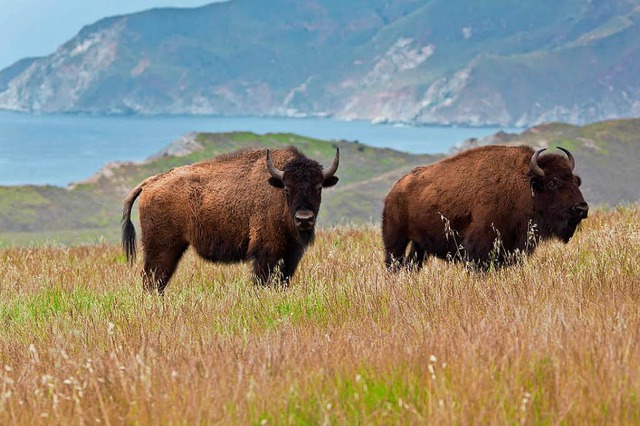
(417, 61)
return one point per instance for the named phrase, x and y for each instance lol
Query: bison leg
(159, 267)
(394, 252)
(263, 267)
(482, 248)
(290, 264)
(267, 267)
(394, 234)
(416, 256)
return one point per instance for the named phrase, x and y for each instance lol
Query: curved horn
(327, 173)
(534, 163)
(275, 172)
(570, 159)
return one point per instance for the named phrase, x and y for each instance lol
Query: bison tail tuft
(128, 230)
(129, 240)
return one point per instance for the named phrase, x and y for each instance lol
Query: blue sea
(61, 149)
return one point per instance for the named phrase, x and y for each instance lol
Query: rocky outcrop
(64, 77)
(181, 147)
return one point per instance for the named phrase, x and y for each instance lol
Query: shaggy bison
(482, 205)
(250, 204)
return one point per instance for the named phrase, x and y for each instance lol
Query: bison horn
(275, 172)
(327, 173)
(570, 159)
(537, 170)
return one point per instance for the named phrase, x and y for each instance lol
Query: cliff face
(421, 61)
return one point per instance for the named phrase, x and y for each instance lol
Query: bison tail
(128, 230)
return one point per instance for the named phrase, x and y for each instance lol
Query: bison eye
(553, 184)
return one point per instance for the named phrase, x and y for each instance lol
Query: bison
(251, 204)
(482, 206)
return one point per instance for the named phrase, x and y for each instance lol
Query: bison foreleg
(416, 256)
(290, 263)
(263, 267)
(270, 268)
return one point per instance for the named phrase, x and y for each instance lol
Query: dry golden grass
(556, 340)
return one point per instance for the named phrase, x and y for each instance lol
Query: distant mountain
(423, 61)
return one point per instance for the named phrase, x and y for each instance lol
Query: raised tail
(128, 230)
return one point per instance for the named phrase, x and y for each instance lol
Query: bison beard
(483, 205)
(250, 204)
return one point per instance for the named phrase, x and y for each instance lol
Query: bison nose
(305, 219)
(580, 210)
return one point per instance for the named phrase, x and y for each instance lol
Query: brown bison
(250, 204)
(482, 205)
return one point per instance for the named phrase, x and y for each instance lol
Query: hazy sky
(39, 27)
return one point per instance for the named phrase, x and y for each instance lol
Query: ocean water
(61, 149)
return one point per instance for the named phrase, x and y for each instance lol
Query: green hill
(607, 154)
(90, 210)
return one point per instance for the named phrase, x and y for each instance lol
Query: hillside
(419, 61)
(606, 155)
(91, 210)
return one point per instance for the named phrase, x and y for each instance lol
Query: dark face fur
(302, 183)
(559, 205)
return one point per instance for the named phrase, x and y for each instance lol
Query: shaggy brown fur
(229, 209)
(456, 208)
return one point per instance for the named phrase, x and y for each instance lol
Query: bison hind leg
(159, 267)
(395, 252)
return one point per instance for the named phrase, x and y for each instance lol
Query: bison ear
(537, 184)
(276, 183)
(328, 182)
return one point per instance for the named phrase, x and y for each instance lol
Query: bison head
(559, 205)
(302, 181)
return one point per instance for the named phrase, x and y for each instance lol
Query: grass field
(555, 340)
